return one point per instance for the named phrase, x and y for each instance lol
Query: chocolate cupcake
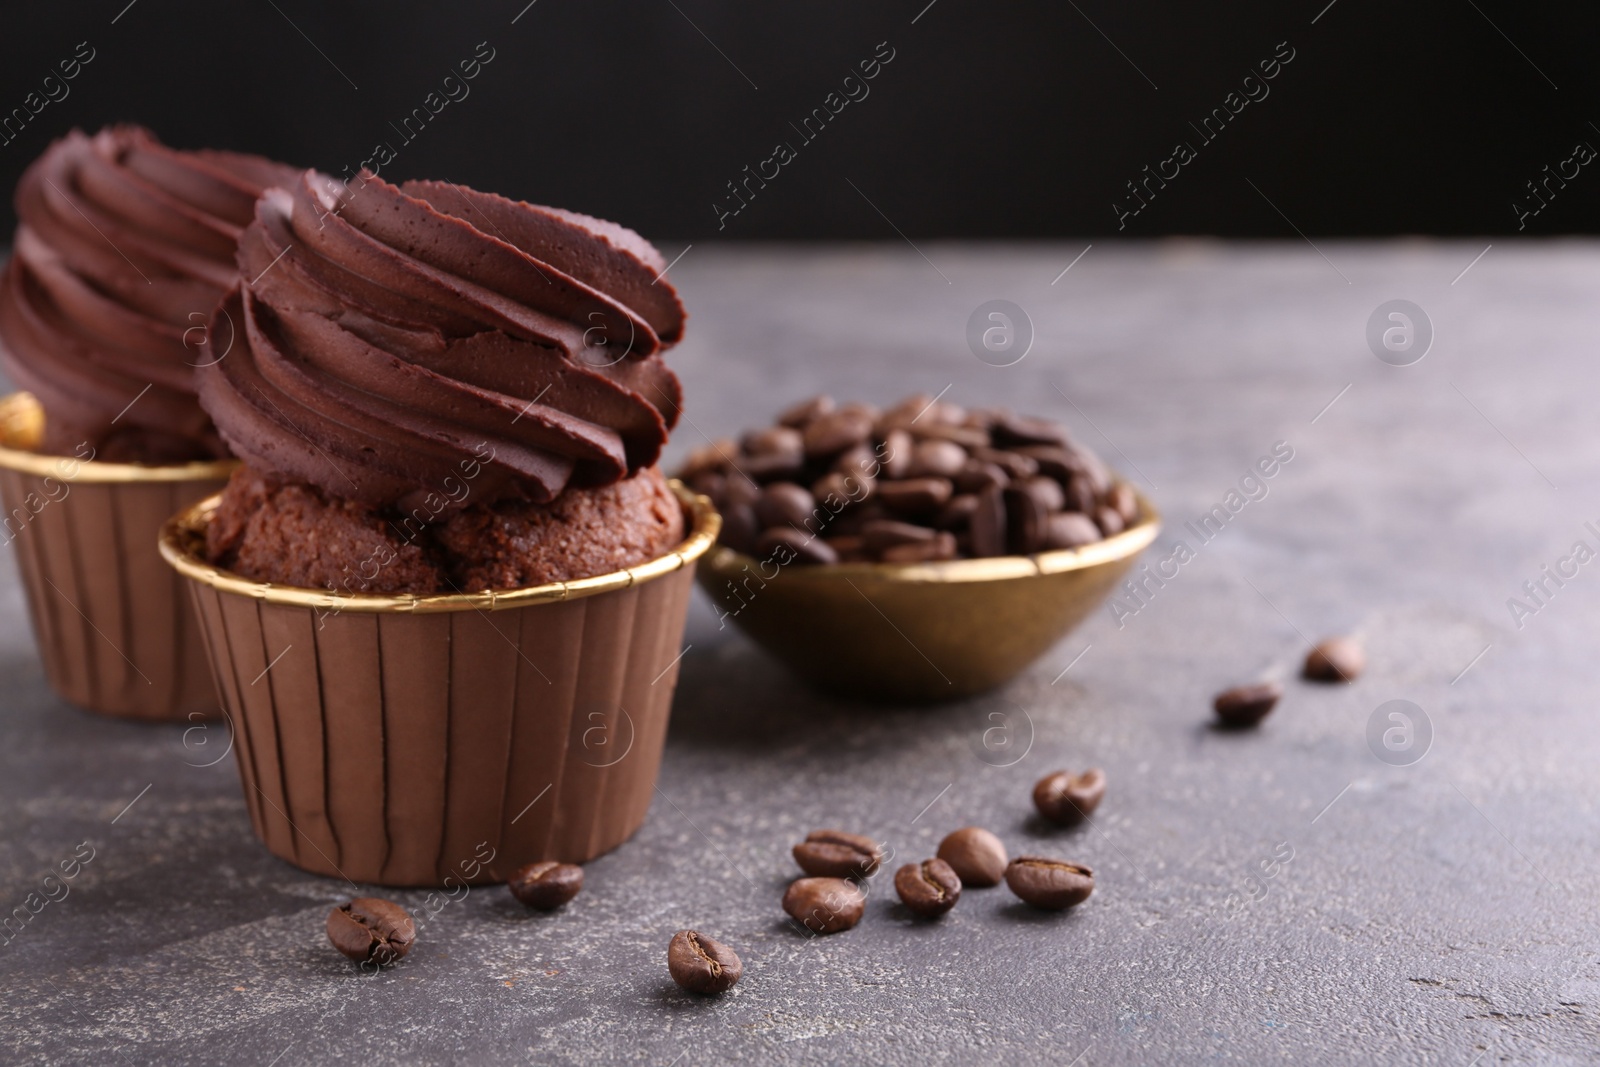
(123, 249)
(449, 543)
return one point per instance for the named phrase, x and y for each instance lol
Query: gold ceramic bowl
(920, 631)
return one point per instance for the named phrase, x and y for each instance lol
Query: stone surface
(1441, 912)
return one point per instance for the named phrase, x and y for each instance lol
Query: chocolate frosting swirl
(387, 340)
(123, 249)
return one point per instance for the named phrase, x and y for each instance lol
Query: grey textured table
(1439, 912)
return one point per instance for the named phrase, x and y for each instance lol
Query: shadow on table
(739, 700)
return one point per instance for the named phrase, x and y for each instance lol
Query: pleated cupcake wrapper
(405, 746)
(114, 627)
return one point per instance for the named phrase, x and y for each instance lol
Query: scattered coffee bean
(701, 965)
(837, 854)
(370, 930)
(546, 885)
(1338, 659)
(1048, 883)
(976, 855)
(1066, 798)
(825, 905)
(1246, 705)
(830, 469)
(929, 888)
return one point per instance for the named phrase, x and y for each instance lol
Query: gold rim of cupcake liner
(183, 546)
(1129, 542)
(22, 428)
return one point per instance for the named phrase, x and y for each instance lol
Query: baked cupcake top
(122, 250)
(389, 342)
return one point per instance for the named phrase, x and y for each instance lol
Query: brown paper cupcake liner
(115, 628)
(403, 740)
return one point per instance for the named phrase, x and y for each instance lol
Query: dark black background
(993, 120)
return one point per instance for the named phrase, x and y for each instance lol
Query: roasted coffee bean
(880, 534)
(1048, 883)
(1069, 529)
(739, 527)
(1027, 520)
(1022, 430)
(941, 547)
(825, 905)
(929, 888)
(976, 855)
(370, 930)
(1080, 495)
(806, 412)
(831, 434)
(546, 885)
(831, 469)
(1098, 473)
(741, 490)
(1048, 491)
(915, 496)
(701, 965)
(1016, 465)
(903, 412)
(976, 475)
(937, 459)
(964, 436)
(786, 504)
(1246, 705)
(894, 455)
(713, 484)
(1338, 659)
(1056, 463)
(843, 490)
(860, 410)
(772, 466)
(713, 457)
(858, 461)
(837, 854)
(773, 439)
(785, 540)
(988, 529)
(958, 513)
(1066, 798)
(850, 548)
(1123, 499)
(854, 519)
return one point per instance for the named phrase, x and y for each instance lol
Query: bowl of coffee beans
(920, 552)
